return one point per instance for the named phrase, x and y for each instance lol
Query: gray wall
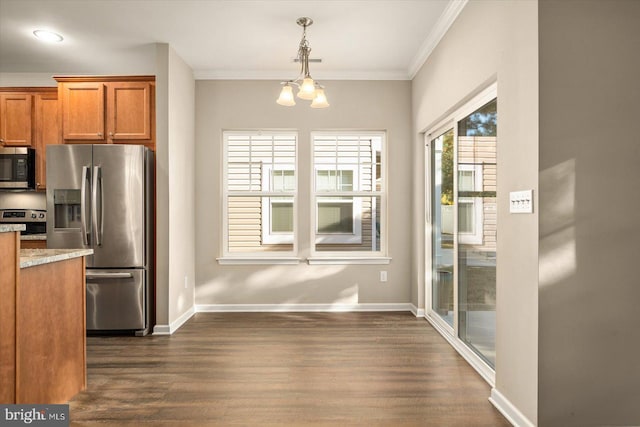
(489, 41)
(589, 370)
(227, 105)
(181, 187)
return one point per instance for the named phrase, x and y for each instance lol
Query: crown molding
(441, 27)
(287, 74)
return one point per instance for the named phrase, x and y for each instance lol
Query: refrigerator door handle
(97, 224)
(109, 276)
(83, 206)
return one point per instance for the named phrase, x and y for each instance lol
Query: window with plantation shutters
(259, 192)
(348, 192)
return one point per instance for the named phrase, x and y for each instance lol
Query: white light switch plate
(521, 201)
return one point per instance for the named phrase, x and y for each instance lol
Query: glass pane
(249, 219)
(477, 225)
(334, 180)
(281, 217)
(5, 169)
(465, 217)
(442, 232)
(250, 158)
(466, 181)
(348, 224)
(335, 216)
(283, 180)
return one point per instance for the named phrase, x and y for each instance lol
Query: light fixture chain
(303, 53)
(308, 88)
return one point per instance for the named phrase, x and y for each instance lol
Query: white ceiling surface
(225, 39)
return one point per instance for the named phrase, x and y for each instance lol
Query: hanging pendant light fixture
(307, 88)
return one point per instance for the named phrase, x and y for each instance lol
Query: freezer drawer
(116, 299)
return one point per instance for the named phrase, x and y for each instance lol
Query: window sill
(258, 260)
(333, 260)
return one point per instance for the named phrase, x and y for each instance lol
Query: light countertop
(7, 228)
(33, 257)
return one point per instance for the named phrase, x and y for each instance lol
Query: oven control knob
(33, 215)
(41, 215)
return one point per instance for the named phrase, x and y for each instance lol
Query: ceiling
(230, 39)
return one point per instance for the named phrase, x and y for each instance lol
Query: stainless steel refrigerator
(101, 197)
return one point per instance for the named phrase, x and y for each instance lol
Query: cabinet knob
(1, 141)
(99, 133)
(111, 134)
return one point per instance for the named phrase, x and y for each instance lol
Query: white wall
(489, 41)
(589, 370)
(175, 189)
(376, 105)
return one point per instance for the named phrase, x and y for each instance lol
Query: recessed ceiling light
(48, 36)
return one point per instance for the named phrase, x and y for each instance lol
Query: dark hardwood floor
(288, 369)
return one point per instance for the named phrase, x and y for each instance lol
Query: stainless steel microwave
(17, 168)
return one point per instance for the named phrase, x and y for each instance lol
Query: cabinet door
(47, 128)
(15, 120)
(83, 112)
(129, 111)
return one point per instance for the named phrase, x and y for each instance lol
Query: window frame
(472, 237)
(377, 256)
(263, 256)
(268, 236)
(354, 237)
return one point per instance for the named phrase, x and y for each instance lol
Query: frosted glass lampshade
(286, 96)
(307, 89)
(320, 100)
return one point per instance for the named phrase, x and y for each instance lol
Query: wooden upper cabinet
(108, 109)
(82, 111)
(16, 112)
(128, 108)
(47, 130)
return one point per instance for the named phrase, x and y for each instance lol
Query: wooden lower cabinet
(42, 328)
(33, 244)
(51, 337)
(9, 266)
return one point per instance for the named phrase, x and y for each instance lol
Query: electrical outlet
(186, 282)
(383, 276)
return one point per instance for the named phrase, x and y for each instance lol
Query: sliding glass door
(477, 230)
(462, 183)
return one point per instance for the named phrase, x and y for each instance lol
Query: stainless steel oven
(17, 168)
(34, 220)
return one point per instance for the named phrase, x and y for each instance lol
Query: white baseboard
(418, 312)
(278, 308)
(506, 408)
(161, 330)
(176, 324)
